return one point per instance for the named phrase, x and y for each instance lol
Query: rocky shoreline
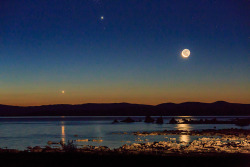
(202, 145)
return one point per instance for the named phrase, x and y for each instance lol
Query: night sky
(102, 51)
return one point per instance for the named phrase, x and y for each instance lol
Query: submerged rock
(115, 121)
(97, 140)
(51, 142)
(82, 140)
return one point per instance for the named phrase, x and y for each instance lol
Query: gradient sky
(132, 55)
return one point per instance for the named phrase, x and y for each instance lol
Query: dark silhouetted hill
(126, 109)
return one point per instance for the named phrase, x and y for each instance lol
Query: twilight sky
(123, 51)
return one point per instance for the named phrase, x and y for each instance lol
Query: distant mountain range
(219, 108)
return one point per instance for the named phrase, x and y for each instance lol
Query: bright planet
(185, 53)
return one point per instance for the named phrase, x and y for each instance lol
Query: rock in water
(159, 120)
(149, 119)
(128, 120)
(173, 121)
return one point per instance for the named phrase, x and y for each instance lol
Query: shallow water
(20, 132)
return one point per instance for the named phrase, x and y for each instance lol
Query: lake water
(20, 132)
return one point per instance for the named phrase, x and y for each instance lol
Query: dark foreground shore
(84, 159)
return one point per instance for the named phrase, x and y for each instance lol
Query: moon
(63, 91)
(185, 53)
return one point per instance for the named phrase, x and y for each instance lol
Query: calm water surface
(20, 132)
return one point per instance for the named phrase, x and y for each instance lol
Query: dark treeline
(219, 108)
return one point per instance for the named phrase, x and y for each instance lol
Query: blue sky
(132, 55)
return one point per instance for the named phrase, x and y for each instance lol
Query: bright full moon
(185, 53)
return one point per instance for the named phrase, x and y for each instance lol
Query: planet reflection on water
(63, 132)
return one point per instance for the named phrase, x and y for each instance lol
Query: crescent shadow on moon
(185, 53)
